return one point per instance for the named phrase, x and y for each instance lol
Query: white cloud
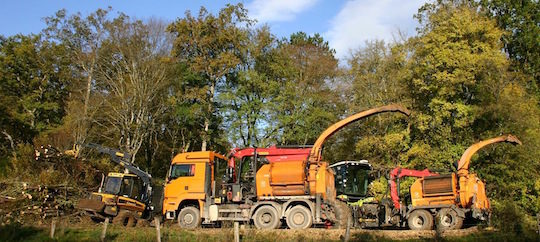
(277, 10)
(362, 20)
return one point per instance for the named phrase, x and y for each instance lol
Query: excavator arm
(464, 162)
(123, 159)
(316, 151)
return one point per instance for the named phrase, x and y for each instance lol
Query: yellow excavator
(128, 198)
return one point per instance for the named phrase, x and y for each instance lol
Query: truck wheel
(448, 218)
(266, 217)
(299, 217)
(189, 217)
(125, 218)
(420, 219)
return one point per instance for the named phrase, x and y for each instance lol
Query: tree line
(214, 81)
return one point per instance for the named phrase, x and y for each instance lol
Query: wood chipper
(454, 197)
(444, 200)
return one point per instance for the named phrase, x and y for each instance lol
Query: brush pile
(49, 187)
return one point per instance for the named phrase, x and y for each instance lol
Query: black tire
(448, 219)
(189, 217)
(299, 217)
(420, 219)
(125, 218)
(266, 217)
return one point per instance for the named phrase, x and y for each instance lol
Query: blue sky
(346, 24)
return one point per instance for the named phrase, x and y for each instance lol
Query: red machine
(396, 174)
(272, 154)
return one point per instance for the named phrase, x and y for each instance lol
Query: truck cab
(190, 184)
(352, 179)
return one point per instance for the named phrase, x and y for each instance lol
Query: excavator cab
(126, 185)
(119, 191)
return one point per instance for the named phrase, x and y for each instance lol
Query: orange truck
(264, 186)
(193, 195)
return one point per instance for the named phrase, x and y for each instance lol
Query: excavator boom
(123, 159)
(315, 155)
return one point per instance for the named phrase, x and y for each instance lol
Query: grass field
(171, 233)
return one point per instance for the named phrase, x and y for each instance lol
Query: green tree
(304, 102)
(34, 82)
(82, 36)
(187, 107)
(511, 173)
(247, 96)
(521, 38)
(375, 73)
(374, 79)
(212, 47)
(456, 59)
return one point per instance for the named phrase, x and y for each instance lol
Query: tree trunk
(11, 143)
(87, 96)
(207, 118)
(205, 134)
(173, 146)
(80, 137)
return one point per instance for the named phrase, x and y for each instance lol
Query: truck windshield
(352, 180)
(112, 186)
(181, 170)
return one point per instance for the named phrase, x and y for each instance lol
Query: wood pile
(49, 187)
(23, 203)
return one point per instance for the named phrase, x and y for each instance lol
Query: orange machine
(289, 177)
(452, 197)
(296, 188)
